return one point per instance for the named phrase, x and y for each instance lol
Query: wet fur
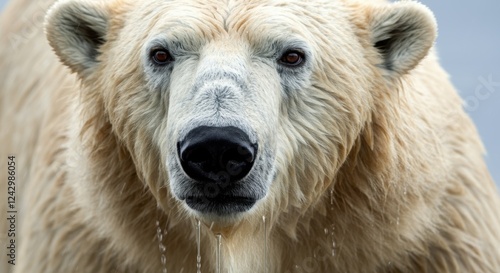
(373, 152)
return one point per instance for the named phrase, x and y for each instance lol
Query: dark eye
(161, 56)
(292, 58)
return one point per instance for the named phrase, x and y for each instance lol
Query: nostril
(207, 152)
(195, 155)
(198, 156)
(235, 160)
(244, 153)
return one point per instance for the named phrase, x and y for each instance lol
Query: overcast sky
(469, 49)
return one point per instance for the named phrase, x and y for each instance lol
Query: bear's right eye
(292, 58)
(161, 56)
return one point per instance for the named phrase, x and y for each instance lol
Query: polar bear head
(238, 108)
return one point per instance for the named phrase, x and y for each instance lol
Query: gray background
(469, 49)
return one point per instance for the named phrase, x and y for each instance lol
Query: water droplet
(123, 187)
(162, 248)
(326, 231)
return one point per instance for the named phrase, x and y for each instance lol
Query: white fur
(366, 162)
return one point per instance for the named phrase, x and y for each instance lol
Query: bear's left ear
(402, 33)
(76, 29)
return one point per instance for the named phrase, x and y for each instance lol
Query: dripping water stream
(332, 226)
(265, 243)
(218, 255)
(161, 246)
(198, 239)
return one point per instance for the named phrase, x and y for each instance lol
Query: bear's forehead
(215, 18)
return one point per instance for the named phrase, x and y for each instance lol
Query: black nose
(217, 154)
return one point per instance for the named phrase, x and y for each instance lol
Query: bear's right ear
(76, 30)
(402, 33)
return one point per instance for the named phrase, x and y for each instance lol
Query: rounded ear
(76, 30)
(403, 33)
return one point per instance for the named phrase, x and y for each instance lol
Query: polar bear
(241, 136)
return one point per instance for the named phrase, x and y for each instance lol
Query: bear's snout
(217, 159)
(217, 154)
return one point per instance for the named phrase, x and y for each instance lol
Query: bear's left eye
(161, 56)
(292, 58)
